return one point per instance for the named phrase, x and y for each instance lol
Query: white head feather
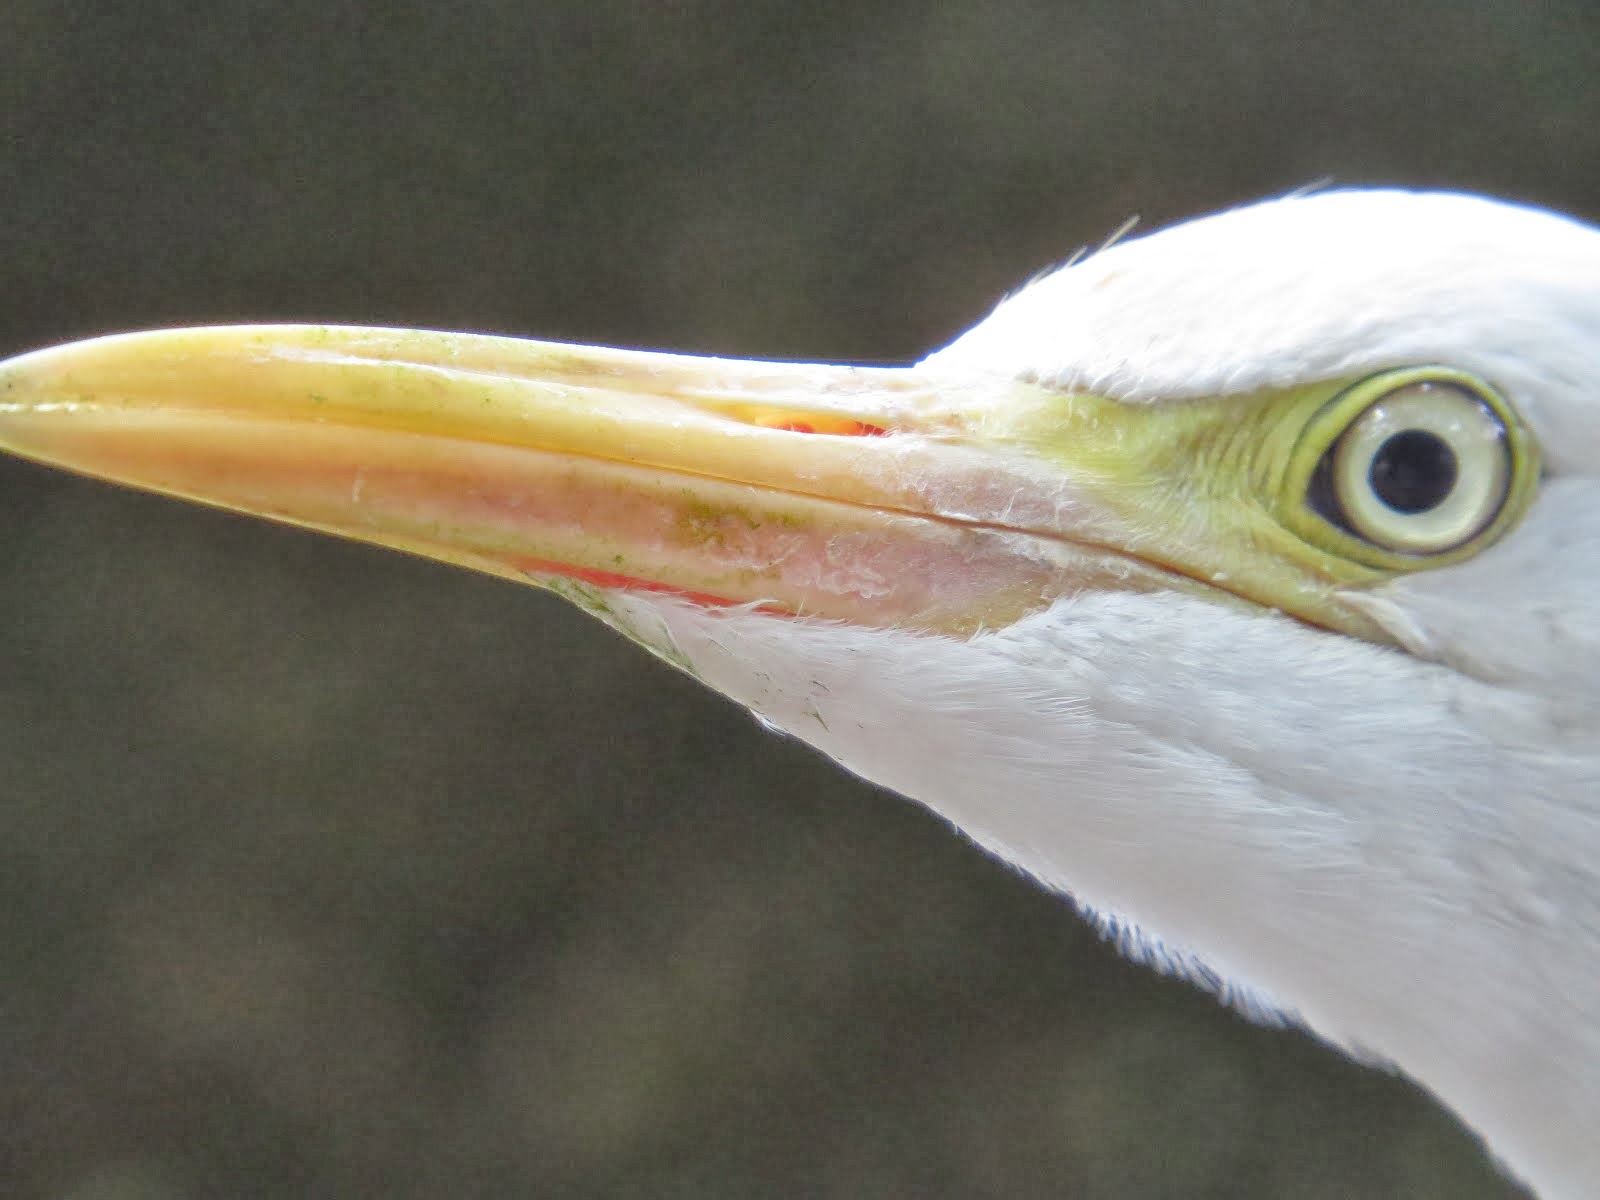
(1323, 286)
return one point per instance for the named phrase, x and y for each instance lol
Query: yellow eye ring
(1411, 468)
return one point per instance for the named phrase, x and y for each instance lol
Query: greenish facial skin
(1224, 490)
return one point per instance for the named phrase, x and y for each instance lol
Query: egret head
(1240, 580)
(1370, 286)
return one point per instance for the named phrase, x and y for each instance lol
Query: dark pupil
(1413, 471)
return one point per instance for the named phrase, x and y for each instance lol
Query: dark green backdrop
(327, 873)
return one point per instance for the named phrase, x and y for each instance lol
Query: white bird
(1241, 581)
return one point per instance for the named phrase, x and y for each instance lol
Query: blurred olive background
(329, 873)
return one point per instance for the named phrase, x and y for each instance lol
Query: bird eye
(1413, 465)
(1420, 471)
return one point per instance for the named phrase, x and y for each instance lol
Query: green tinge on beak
(876, 496)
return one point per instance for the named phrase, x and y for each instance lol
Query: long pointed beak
(876, 496)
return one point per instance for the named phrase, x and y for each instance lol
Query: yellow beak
(876, 496)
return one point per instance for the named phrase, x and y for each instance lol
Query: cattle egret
(1241, 581)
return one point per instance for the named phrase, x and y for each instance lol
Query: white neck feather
(1260, 797)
